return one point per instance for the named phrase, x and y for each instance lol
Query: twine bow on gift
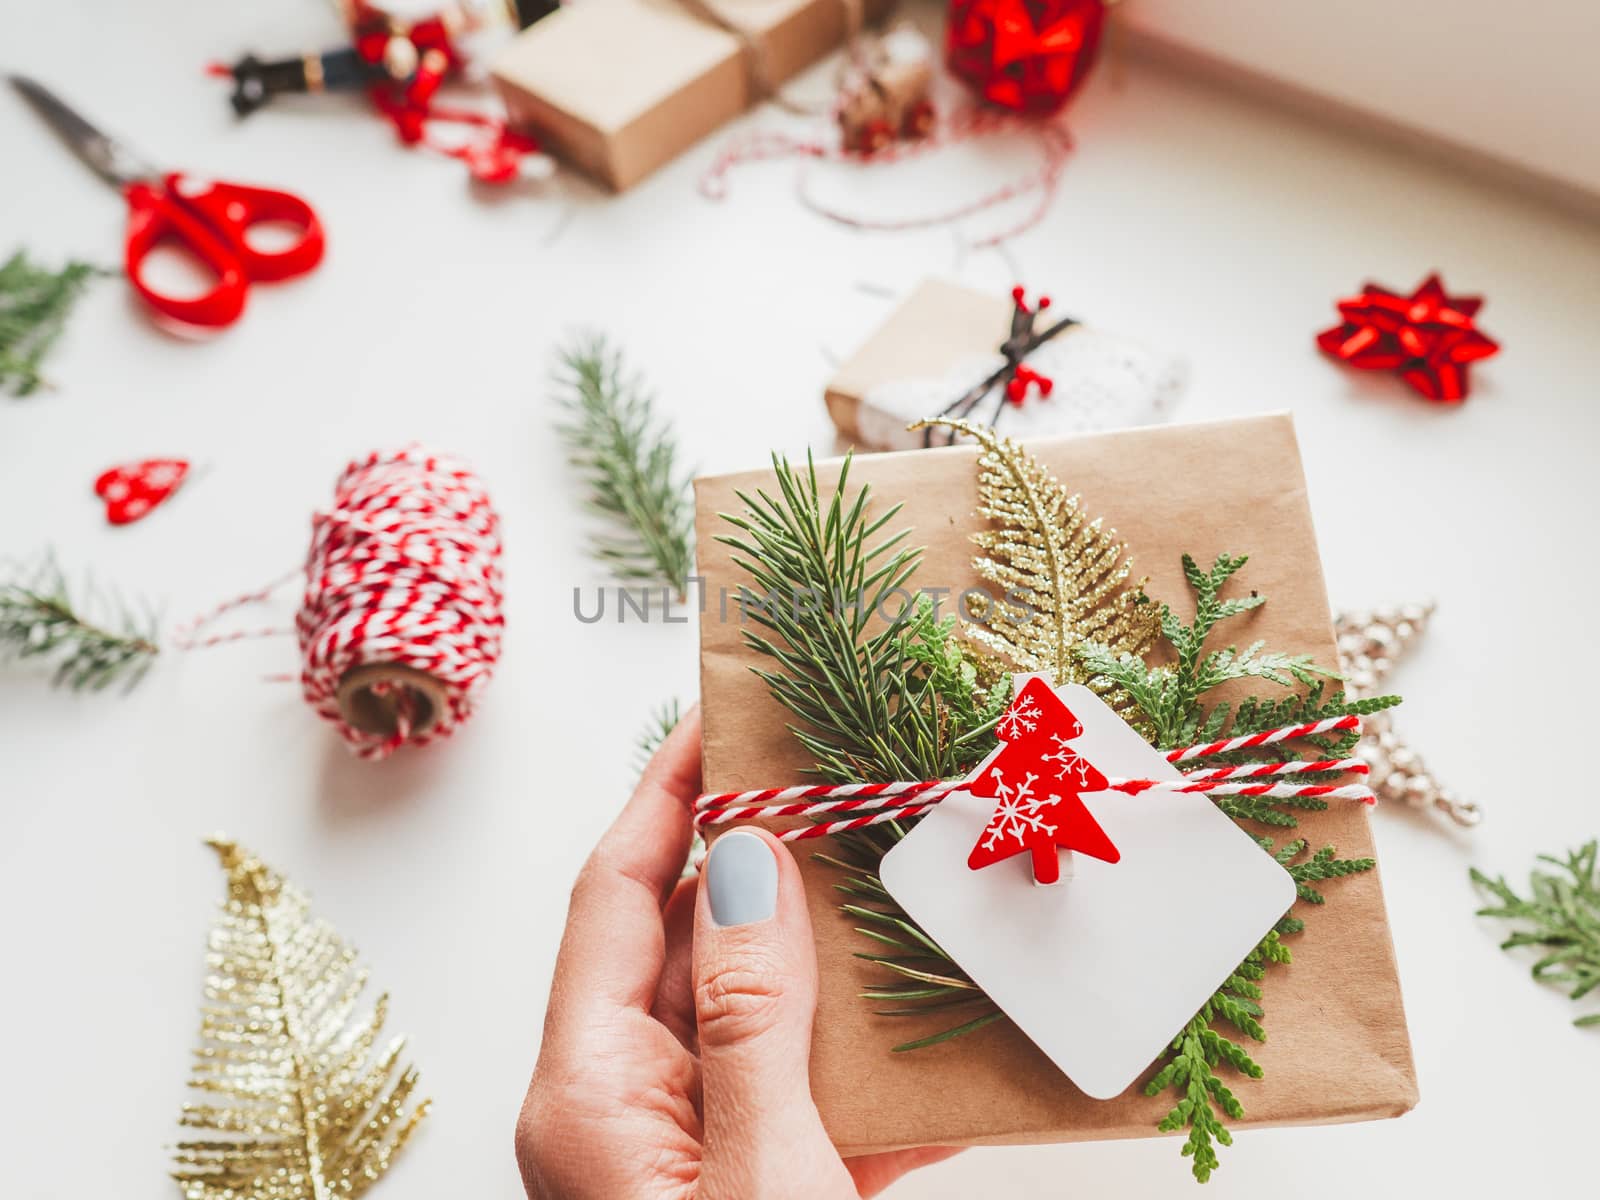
(1013, 378)
(1428, 337)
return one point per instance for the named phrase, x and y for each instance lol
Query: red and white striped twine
(403, 570)
(1268, 738)
(965, 124)
(720, 808)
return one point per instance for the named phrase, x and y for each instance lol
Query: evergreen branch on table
(1561, 915)
(39, 618)
(628, 456)
(1063, 579)
(662, 721)
(1200, 1047)
(34, 305)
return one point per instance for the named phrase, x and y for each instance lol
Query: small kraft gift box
(619, 87)
(943, 338)
(1338, 1048)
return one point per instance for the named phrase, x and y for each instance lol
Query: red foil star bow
(1027, 55)
(1428, 337)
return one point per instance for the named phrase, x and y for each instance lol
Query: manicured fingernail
(742, 877)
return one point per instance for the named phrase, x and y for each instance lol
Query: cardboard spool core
(366, 708)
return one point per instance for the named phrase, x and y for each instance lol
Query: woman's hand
(674, 1059)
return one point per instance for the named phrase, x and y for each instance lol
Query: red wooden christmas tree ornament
(133, 489)
(1037, 780)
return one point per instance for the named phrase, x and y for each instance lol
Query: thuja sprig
(1200, 1047)
(629, 459)
(34, 305)
(1561, 916)
(1172, 696)
(39, 618)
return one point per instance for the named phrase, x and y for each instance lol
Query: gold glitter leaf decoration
(297, 1106)
(1062, 578)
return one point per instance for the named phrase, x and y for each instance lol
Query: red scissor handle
(233, 208)
(155, 216)
(212, 222)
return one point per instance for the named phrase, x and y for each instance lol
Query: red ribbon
(1027, 55)
(494, 157)
(1428, 337)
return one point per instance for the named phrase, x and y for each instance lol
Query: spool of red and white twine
(904, 799)
(400, 624)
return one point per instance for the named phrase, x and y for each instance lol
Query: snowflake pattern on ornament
(1018, 813)
(1021, 717)
(1069, 763)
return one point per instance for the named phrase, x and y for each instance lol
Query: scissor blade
(111, 161)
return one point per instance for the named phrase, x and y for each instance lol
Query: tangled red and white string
(720, 808)
(403, 572)
(965, 125)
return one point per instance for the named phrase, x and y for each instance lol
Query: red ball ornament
(1026, 55)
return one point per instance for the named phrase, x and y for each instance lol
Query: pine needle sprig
(901, 699)
(663, 720)
(1561, 915)
(40, 618)
(35, 303)
(878, 691)
(629, 458)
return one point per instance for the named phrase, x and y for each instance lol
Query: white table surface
(1187, 217)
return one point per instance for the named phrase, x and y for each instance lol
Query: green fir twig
(628, 456)
(39, 618)
(35, 303)
(663, 720)
(881, 688)
(1561, 916)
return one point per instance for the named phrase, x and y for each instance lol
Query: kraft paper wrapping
(619, 87)
(1338, 1048)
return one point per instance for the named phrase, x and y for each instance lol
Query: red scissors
(209, 219)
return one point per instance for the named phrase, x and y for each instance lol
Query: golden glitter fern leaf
(1062, 578)
(296, 1105)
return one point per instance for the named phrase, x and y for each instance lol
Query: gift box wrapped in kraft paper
(943, 338)
(1337, 1047)
(619, 87)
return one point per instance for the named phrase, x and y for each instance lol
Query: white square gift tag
(1102, 970)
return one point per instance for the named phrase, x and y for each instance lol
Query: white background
(1517, 84)
(1187, 217)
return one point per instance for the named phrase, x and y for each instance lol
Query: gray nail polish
(742, 877)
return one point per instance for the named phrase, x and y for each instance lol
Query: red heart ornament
(132, 490)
